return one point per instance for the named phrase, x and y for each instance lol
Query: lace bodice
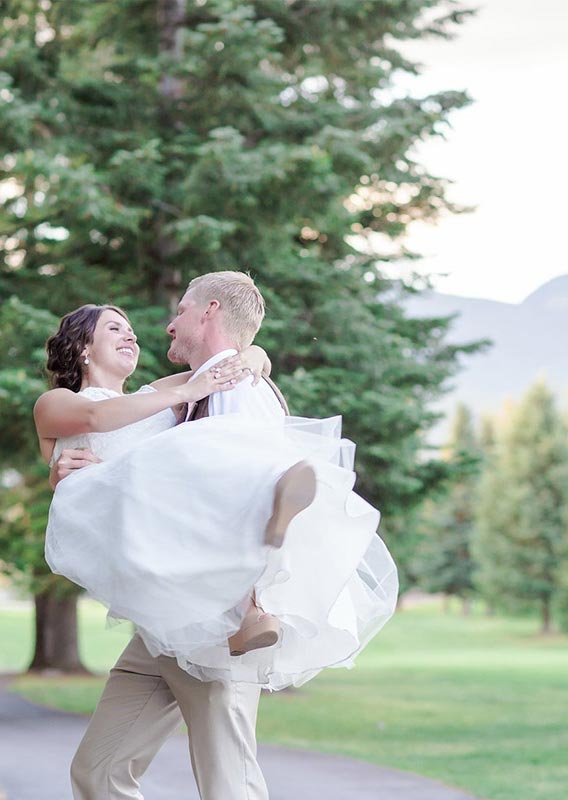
(112, 443)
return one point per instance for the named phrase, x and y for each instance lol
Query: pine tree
(147, 141)
(522, 533)
(487, 436)
(444, 562)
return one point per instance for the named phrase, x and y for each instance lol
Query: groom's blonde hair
(239, 299)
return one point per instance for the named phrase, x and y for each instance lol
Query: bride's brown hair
(64, 348)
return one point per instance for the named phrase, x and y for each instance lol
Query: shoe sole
(294, 492)
(245, 640)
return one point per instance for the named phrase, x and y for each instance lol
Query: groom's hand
(68, 462)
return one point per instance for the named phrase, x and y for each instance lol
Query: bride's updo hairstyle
(64, 348)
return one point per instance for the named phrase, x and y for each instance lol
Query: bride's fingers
(230, 362)
(229, 369)
(229, 373)
(221, 383)
(236, 365)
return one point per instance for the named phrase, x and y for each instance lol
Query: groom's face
(186, 330)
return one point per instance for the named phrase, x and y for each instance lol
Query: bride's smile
(113, 353)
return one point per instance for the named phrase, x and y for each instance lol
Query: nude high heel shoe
(294, 492)
(258, 630)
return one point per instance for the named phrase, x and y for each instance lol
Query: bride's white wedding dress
(168, 532)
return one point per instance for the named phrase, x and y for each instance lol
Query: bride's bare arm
(252, 358)
(172, 380)
(61, 412)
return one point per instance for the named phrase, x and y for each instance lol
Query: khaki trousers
(143, 703)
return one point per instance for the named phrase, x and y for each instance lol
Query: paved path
(36, 746)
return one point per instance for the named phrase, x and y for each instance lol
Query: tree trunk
(170, 18)
(466, 606)
(56, 642)
(546, 626)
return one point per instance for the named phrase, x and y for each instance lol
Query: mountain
(529, 341)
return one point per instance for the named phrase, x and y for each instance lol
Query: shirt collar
(213, 360)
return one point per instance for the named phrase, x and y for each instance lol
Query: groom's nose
(170, 329)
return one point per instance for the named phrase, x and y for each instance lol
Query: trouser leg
(221, 719)
(135, 715)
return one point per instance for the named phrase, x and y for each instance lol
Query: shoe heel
(265, 632)
(294, 492)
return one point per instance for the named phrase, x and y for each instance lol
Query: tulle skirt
(170, 535)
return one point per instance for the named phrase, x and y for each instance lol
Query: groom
(146, 698)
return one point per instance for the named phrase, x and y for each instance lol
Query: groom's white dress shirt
(257, 401)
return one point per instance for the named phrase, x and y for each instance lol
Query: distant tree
(522, 534)
(444, 562)
(487, 435)
(560, 600)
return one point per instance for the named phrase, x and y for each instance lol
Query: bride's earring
(86, 361)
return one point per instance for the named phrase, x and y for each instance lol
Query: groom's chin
(174, 357)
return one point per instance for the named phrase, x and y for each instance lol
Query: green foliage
(444, 562)
(142, 149)
(522, 534)
(23, 515)
(24, 492)
(23, 331)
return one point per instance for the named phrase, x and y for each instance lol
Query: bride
(168, 530)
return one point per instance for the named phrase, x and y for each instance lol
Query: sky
(507, 153)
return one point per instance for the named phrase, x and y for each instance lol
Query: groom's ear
(212, 308)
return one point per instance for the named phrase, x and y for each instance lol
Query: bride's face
(114, 347)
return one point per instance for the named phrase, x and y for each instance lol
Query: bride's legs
(295, 490)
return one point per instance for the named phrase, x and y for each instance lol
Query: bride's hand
(217, 378)
(253, 360)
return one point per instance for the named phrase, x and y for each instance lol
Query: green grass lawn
(476, 702)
